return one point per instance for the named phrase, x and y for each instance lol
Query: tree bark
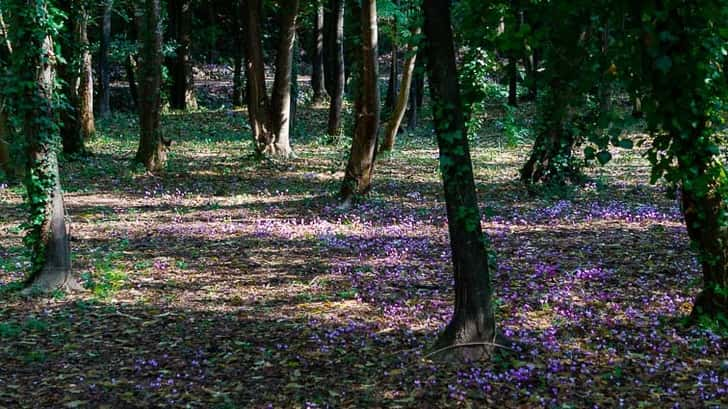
(294, 86)
(86, 82)
(393, 84)
(317, 60)
(703, 214)
(404, 94)
(238, 76)
(473, 319)
(258, 102)
(338, 78)
(48, 235)
(104, 99)
(360, 168)
(279, 144)
(152, 147)
(270, 118)
(72, 131)
(182, 93)
(6, 164)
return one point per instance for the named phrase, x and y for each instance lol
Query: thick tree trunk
(279, 141)
(104, 105)
(473, 319)
(152, 147)
(48, 235)
(317, 60)
(86, 82)
(338, 78)
(404, 94)
(182, 93)
(703, 213)
(238, 76)
(359, 171)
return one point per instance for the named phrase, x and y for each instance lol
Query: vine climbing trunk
(152, 151)
(336, 68)
(395, 120)
(33, 65)
(360, 168)
(473, 319)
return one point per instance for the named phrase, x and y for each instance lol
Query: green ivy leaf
(603, 157)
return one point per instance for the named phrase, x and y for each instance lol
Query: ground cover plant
(546, 229)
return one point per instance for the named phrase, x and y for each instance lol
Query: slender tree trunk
(473, 319)
(404, 94)
(280, 144)
(152, 147)
(104, 106)
(48, 235)
(182, 95)
(294, 86)
(130, 63)
(329, 34)
(238, 76)
(86, 82)
(70, 74)
(338, 77)
(359, 171)
(393, 84)
(258, 102)
(317, 60)
(513, 60)
(412, 108)
(6, 164)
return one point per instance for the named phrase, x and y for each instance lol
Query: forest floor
(225, 282)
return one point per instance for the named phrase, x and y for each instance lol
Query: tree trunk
(338, 77)
(279, 143)
(403, 98)
(182, 93)
(328, 50)
(86, 82)
(513, 59)
(317, 60)
(258, 102)
(6, 164)
(393, 84)
(238, 78)
(703, 214)
(359, 171)
(473, 319)
(131, 73)
(104, 106)
(70, 74)
(48, 235)
(294, 86)
(152, 147)
(412, 108)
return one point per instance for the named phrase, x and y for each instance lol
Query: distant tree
(238, 54)
(104, 105)
(7, 165)
(317, 56)
(270, 117)
(152, 151)
(335, 76)
(472, 326)
(182, 92)
(360, 168)
(33, 71)
(77, 78)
